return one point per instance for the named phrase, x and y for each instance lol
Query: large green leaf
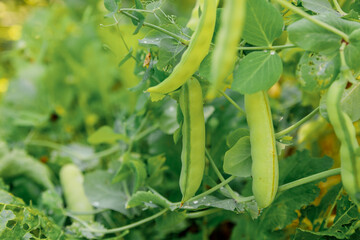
(257, 71)
(263, 23)
(312, 37)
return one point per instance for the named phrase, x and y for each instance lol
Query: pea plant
(243, 124)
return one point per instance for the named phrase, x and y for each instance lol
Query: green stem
(268, 47)
(314, 20)
(146, 132)
(242, 112)
(297, 124)
(309, 179)
(160, 29)
(135, 10)
(203, 213)
(120, 229)
(332, 207)
(234, 195)
(338, 8)
(208, 192)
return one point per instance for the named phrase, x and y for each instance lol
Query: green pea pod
(72, 180)
(192, 57)
(346, 133)
(227, 40)
(193, 131)
(265, 169)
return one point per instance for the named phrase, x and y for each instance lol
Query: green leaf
(139, 170)
(352, 50)
(263, 23)
(347, 217)
(8, 198)
(127, 57)
(111, 5)
(349, 100)
(156, 169)
(170, 51)
(317, 71)
(312, 37)
(105, 134)
(318, 6)
(102, 193)
(171, 220)
(257, 71)
(17, 163)
(235, 135)
(237, 160)
(147, 198)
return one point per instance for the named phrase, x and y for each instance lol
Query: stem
(332, 207)
(309, 179)
(338, 8)
(146, 132)
(88, 212)
(203, 213)
(135, 10)
(297, 124)
(208, 192)
(120, 229)
(160, 29)
(234, 195)
(268, 47)
(242, 112)
(314, 20)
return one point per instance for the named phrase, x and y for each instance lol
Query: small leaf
(235, 135)
(237, 160)
(139, 170)
(263, 23)
(105, 134)
(111, 5)
(141, 197)
(257, 71)
(127, 57)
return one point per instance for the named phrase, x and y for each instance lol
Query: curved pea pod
(193, 131)
(265, 169)
(192, 57)
(72, 180)
(227, 40)
(346, 133)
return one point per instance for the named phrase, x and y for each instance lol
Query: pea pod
(72, 180)
(227, 40)
(265, 170)
(346, 133)
(193, 131)
(192, 57)
(194, 19)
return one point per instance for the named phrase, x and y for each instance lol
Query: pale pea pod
(195, 18)
(192, 57)
(72, 180)
(193, 133)
(346, 133)
(226, 43)
(265, 169)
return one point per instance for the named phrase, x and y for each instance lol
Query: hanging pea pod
(227, 40)
(265, 169)
(192, 57)
(193, 132)
(346, 133)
